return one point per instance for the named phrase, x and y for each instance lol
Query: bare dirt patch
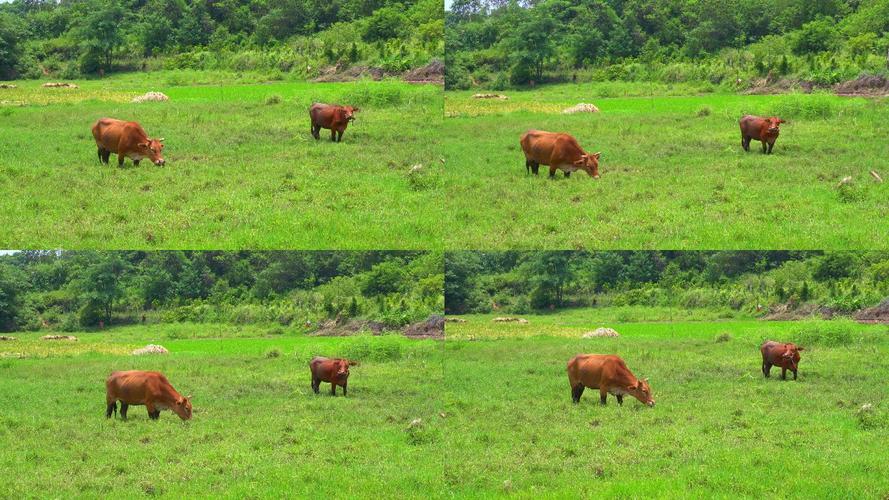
(432, 328)
(431, 73)
(345, 327)
(791, 312)
(864, 85)
(876, 314)
(342, 73)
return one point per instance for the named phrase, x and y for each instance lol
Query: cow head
(341, 369)
(152, 149)
(347, 113)
(589, 164)
(790, 356)
(642, 392)
(182, 407)
(773, 124)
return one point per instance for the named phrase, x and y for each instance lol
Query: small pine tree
(353, 308)
(784, 67)
(353, 53)
(804, 293)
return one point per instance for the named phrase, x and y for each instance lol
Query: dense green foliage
(498, 43)
(733, 280)
(71, 38)
(75, 289)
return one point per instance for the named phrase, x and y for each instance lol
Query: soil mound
(431, 73)
(66, 85)
(864, 85)
(345, 327)
(151, 349)
(342, 73)
(581, 108)
(790, 312)
(601, 332)
(432, 328)
(58, 337)
(151, 96)
(876, 314)
(521, 321)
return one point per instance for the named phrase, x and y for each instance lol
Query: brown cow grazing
(333, 117)
(558, 151)
(127, 139)
(761, 129)
(335, 371)
(609, 374)
(778, 354)
(151, 389)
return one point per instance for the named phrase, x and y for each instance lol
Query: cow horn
(188, 397)
(160, 140)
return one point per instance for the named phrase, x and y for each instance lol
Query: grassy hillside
(718, 425)
(257, 429)
(673, 172)
(242, 169)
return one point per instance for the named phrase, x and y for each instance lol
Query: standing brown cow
(609, 374)
(333, 117)
(778, 354)
(151, 389)
(127, 139)
(761, 129)
(558, 151)
(335, 371)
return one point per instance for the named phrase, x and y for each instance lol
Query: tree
(12, 287)
(385, 24)
(99, 35)
(101, 285)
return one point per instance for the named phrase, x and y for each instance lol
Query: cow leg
(576, 392)
(120, 159)
(552, 172)
(106, 155)
(316, 384)
(136, 162)
(339, 136)
(783, 373)
(527, 166)
(535, 168)
(766, 369)
(112, 408)
(620, 399)
(745, 143)
(771, 145)
(123, 410)
(333, 135)
(101, 154)
(332, 389)
(764, 147)
(346, 383)
(603, 396)
(794, 374)
(152, 414)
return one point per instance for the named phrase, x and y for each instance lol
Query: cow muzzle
(160, 163)
(650, 403)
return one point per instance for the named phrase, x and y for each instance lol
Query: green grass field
(719, 429)
(673, 171)
(242, 168)
(257, 430)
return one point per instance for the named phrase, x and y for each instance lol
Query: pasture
(257, 428)
(673, 171)
(243, 170)
(719, 429)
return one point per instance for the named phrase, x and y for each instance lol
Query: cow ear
(354, 109)
(800, 349)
